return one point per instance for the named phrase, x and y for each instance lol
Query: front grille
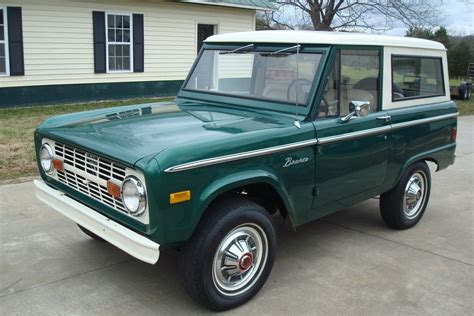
(88, 173)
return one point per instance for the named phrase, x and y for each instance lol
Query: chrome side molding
(243, 155)
(425, 120)
(302, 144)
(352, 135)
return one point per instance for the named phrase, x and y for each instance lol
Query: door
(203, 32)
(352, 154)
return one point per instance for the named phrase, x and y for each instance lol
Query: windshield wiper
(285, 49)
(282, 52)
(237, 49)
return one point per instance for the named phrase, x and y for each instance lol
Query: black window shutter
(15, 41)
(98, 22)
(138, 43)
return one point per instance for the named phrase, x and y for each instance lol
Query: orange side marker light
(113, 189)
(58, 164)
(178, 197)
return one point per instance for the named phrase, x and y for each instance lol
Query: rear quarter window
(416, 77)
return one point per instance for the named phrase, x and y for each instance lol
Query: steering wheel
(295, 81)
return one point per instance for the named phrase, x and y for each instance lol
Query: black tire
(89, 233)
(200, 264)
(395, 208)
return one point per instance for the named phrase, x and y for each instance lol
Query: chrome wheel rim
(415, 193)
(239, 259)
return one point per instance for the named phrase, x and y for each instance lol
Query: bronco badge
(289, 161)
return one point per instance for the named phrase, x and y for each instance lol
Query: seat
(369, 85)
(397, 91)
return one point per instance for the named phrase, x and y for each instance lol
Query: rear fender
(441, 156)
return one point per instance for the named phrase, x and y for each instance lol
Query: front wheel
(230, 256)
(403, 206)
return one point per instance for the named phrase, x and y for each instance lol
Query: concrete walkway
(348, 262)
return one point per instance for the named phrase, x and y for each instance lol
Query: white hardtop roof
(322, 37)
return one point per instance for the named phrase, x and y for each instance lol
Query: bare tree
(375, 15)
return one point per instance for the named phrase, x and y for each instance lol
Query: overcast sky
(456, 16)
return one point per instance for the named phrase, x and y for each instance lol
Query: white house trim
(230, 5)
(5, 41)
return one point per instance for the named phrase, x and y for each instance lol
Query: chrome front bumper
(132, 243)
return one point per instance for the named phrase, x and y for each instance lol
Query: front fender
(235, 180)
(179, 221)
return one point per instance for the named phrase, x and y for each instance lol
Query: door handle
(386, 118)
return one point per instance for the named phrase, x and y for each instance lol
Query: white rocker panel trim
(129, 241)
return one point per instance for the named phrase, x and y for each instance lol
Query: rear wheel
(403, 206)
(89, 233)
(230, 256)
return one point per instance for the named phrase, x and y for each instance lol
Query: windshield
(260, 75)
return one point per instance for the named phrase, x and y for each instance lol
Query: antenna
(297, 122)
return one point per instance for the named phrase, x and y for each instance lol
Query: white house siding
(58, 39)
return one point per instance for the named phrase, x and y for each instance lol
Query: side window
(416, 77)
(355, 76)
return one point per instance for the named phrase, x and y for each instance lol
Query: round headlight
(46, 158)
(134, 196)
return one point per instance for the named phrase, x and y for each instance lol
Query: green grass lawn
(17, 153)
(465, 107)
(17, 158)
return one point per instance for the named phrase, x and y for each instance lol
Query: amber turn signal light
(58, 164)
(178, 197)
(113, 189)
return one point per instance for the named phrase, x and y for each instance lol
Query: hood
(130, 133)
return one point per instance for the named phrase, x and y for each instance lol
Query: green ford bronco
(295, 124)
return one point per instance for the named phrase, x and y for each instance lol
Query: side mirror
(358, 109)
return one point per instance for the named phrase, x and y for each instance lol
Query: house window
(416, 77)
(4, 71)
(119, 42)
